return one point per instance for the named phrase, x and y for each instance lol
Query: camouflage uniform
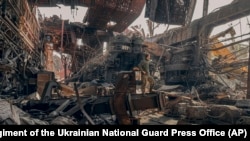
(144, 67)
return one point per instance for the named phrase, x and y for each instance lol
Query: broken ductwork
(175, 12)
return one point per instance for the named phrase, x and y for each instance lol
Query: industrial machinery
(106, 56)
(20, 48)
(182, 51)
(122, 53)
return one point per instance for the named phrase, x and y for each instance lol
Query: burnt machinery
(179, 68)
(122, 107)
(184, 49)
(23, 33)
(20, 48)
(122, 53)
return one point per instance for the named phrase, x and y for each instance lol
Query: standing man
(144, 68)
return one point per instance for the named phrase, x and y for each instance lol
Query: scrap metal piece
(46, 95)
(60, 108)
(80, 104)
(225, 113)
(9, 112)
(196, 112)
(150, 101)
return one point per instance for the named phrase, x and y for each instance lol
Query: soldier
(144, 68)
